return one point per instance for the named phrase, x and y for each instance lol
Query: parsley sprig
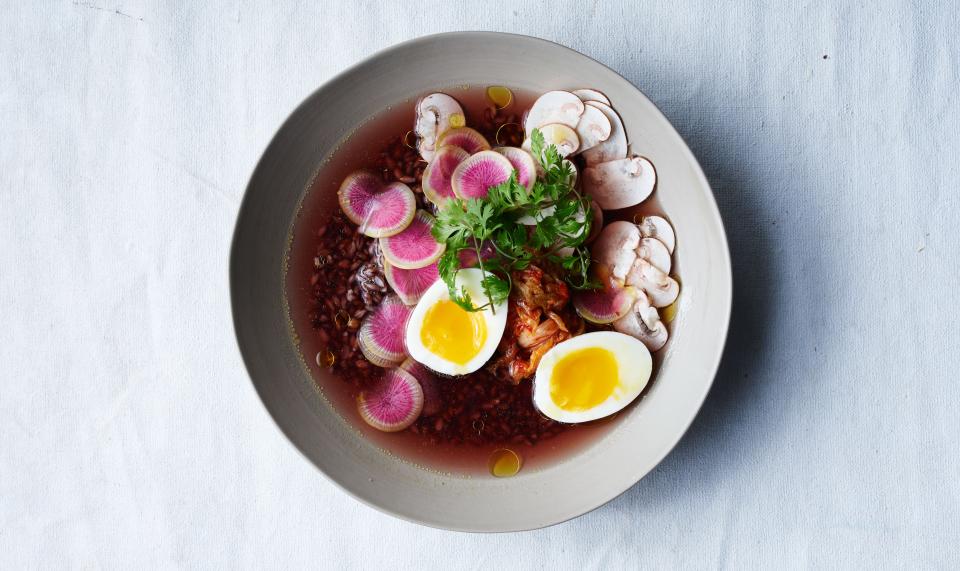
(490, 228)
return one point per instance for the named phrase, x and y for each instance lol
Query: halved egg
(449, 339)
(591, 376)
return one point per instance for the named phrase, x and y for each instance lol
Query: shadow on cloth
(723, 432)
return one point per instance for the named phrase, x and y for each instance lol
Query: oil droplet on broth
(501, 127)
(326, 358)
(504, 463)
(499, 96)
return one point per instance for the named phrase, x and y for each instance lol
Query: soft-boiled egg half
(449, 339)
(591, 376)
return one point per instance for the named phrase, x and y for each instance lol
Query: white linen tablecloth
(130, 436)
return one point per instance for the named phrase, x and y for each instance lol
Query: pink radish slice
(393, 404)
(432, 400)
(468, 258)
(410, 284)
(604, 305)
(379, 209)
(415, 246)
(478, 173)
(523, 163)
(381, 335)
(436, 177)
(464, 137)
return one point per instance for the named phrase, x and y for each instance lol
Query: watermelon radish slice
(415, 246)
(381, 335)
(393, 404)
(432, 400)
(436, 177)
(468, 257)
(608, 303)
(464, 137)
(604, 305)
(410, 284)
(474, 176)
(379, 209)
(522, 162)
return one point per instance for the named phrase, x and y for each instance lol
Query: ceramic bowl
(569, 488)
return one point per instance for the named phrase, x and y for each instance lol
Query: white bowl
(640, 439)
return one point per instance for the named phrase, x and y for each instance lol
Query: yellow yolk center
(584, 378)
(452, 333)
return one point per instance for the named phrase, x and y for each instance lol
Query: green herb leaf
(562, 220)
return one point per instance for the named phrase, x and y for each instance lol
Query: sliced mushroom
(436, 113)
(591, 95)
(659, 287)
(594, 128)
(554, 107)
(561, 136)
(643, 322)
(655, 252)
(620, 183)
(615, 147)
(616, 247)
(659, 228)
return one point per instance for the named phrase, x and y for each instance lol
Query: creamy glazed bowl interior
(532, 499)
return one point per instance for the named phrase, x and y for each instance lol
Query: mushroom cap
(591, 95)
(616, 247)
(594, 128)
(658, 227)
(655, 252)
(615, 147)
(620, 183)
(643, 322)
(434, 113)
(661, 289)
(554, 107)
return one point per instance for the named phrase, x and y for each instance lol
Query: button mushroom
(591, 95)
(594, 128)
(615, 147)
(659, 228)
(436, 113)
(659, 287)
(655, 252)
(554, 107)
(616, 247)
(643, 322)
(620, 183)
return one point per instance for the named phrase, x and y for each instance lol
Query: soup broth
(335, 277)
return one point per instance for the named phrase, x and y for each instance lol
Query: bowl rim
(726, 264)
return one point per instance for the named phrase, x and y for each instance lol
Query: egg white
(634, 365)
(495, 320)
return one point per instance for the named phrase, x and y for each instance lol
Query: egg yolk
(453, 333)
(584, 378)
